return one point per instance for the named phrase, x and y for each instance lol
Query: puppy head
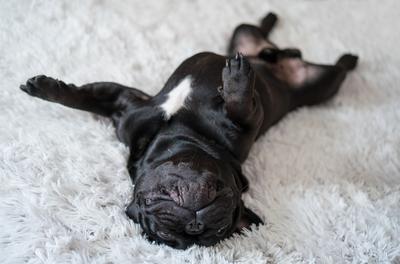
(182, 202)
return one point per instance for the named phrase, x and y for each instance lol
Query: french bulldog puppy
(187, 143)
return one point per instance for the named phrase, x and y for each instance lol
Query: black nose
(194, 227)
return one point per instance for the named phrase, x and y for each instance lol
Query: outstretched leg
(312, 83)
(103, 98)
(292, 83)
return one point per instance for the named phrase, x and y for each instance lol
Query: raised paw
(237, 65)
(41, 86)
(237, 77)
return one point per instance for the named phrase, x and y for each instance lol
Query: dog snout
(194, 227)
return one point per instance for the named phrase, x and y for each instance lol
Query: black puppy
(187, 143)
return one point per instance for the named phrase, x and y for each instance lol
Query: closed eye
(165, 236)
(222, 230)
(156, 198)
(167, 221)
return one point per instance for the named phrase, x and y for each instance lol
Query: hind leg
(250, 40)
(310, 83)
(292, 83)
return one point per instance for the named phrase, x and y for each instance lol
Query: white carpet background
(326, 180)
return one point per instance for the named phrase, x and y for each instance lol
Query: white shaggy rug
(326, 180)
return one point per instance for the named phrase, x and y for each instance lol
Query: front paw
(41, 86)
(237, 76)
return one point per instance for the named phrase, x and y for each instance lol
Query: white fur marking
(176, 97)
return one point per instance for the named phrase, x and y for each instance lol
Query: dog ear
(241, 181)
(247, 218)
(132, 211)
(138, 134)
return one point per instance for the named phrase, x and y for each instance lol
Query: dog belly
(191, 98)
(274, 94)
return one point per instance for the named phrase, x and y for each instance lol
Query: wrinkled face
(180, 204)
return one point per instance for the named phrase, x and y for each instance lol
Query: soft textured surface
(325, 180)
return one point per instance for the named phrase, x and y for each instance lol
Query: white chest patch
(176, 97)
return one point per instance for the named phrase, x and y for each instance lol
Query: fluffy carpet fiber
(326, 179)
